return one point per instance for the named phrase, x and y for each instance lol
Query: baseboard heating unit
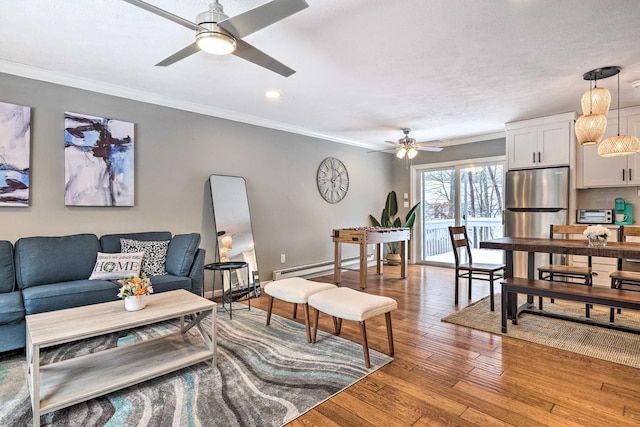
(317, 269)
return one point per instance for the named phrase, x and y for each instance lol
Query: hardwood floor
(451, 375)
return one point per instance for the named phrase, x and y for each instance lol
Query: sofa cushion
(111, 242)
(170, 283)
(58, 296)
(44, 260)
(117, 266)
(181, 252)
(155, 254)
(11, 308)
(7, 271)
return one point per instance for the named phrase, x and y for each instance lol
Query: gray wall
(175, 153)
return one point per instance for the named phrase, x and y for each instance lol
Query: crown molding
(78, 82)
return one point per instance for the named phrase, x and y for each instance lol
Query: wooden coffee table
(61, 384)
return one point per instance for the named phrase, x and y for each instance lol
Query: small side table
(230, 295)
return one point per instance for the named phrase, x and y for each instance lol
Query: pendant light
(620, 145)
(590, 127)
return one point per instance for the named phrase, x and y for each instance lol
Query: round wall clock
(333, 180)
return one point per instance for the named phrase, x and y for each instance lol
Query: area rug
(265, 376)
(607, 344)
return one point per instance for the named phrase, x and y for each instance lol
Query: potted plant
(134, 290)
(388, 219)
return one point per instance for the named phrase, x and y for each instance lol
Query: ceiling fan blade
(247, 52)
(262, 16)
(387, 150)
(163, 13)
(181, 54)
(435, 149)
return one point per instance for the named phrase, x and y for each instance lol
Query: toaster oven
(594, 216)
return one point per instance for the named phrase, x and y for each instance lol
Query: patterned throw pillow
(155, 254)
(117, 266)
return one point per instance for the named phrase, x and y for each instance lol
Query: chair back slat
(459, 239)
(630, 231)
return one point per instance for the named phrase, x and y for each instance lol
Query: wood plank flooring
(451, 375)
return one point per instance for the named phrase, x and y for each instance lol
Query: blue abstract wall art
(99, 167)
(15, 142)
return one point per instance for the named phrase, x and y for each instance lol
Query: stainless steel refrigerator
(535, 199)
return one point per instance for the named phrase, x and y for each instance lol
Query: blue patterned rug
(265, 376)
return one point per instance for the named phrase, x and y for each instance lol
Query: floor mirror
(234, 242)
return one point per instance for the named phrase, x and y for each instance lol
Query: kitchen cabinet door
(603, 171)
(539, 146)
(553, 144)
(633, 161)
(617, 171)
(522, 147)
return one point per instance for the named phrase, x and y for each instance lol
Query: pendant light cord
(619, 105)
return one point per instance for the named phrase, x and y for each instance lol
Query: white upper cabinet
(541, 142)
(620, 171)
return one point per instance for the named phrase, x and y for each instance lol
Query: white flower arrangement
(135, 286)
(597, 232)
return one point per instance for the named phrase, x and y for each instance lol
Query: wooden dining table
(624, 250)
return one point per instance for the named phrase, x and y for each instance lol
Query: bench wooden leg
(387, 317)
(337, 324)
(307, 321)
(269, 310)
(315, 326)
(295, 310)
(505, 304)
(365, 344)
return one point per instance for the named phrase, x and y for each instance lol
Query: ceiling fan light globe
(412, 153)
(216, 43)
(401, 152)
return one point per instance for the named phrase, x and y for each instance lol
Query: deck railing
(436, 240)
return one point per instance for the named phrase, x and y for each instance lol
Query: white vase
(135, 303)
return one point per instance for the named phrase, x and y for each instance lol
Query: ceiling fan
(408, 146)
(218, 34)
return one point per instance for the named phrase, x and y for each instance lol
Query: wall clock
(333, 180)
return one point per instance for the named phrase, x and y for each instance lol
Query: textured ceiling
(449, 70)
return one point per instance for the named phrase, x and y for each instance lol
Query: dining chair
(625, 279)
(471, 270)
(562, 272)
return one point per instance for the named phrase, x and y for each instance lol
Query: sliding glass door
(458, 194)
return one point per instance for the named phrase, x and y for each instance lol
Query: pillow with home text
(117, 266)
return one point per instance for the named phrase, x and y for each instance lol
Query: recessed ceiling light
(636, 84)
(272, 94)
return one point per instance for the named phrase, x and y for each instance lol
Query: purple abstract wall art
(99, 161)
(15, 143)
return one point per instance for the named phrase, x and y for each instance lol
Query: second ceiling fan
(408, 147)
(218, 34)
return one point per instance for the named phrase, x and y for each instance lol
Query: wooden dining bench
(566, 291)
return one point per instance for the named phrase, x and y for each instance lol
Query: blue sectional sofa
(42, 274)
(12, 323)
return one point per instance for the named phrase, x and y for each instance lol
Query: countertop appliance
(623, 212)
(535, 199)
(594, 216)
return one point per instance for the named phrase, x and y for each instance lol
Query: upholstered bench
(349, 304)
(295, 290)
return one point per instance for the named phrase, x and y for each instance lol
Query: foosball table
(364, 236)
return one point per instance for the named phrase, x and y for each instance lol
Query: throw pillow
(117, 266)
(155, 254)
